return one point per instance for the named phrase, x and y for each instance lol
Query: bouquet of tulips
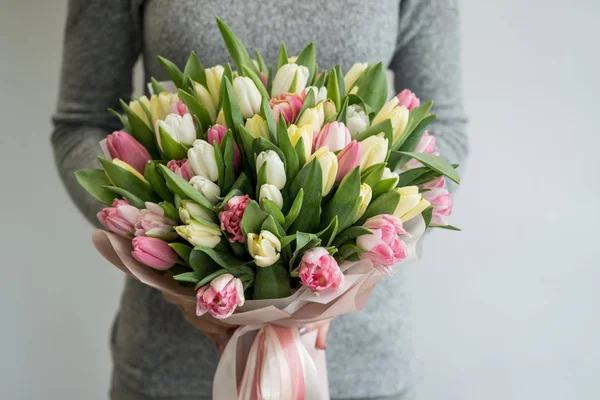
(250, 190)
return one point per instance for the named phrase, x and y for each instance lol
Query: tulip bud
(287, 75)
(329, 110)
(202, 159)
(221, 119)
(159, 106)
(206, 100)
(270, 192)
(181, 129)
(366, 194)
(216, 133)
(209, 189)
(154, 223)
(123, 146)
(257, 127)
(388, 174)
(192, 211)
(224, 294)
(247, 95)
(288, 105)
(348, 159)
(182, 168)
(329, 167)
(275, 168)
(408, 99)
(264, 248)
(120, 218)
(356, 120)
(179, 108)
(334, 135)
(374, 151)
(129, 168)
(354, 73)
(200, 234)
(306, 134)
(398, 115)
(139, 110)
(318, 94)
(315, 117)
(153, 252)
(411, 204)
(213, 82)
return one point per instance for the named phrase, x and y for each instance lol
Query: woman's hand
(322, 327)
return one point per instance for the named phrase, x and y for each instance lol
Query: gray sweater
(156, 353)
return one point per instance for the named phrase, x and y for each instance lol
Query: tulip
(426, 145)
(398, 115)
(329, 167)
(306, 134)
(221, 119)
(287, 75)
(275, 168)
(334, 135)
(181, 129)
(153, 252)
(366, 194)
(374, 151)
(264, 248)
(200, 234)
(123, 146)
(207, 188)
(129, 168)
(270, 192)
(319, 271)
(353, 74)
(408, 99)
(356, 120)
(202, 159)
(206, 100)
(220, 299)
(440, 199)
(231, 217)
(329, 110)
(216, 134)
(288, 105)
(247, 95)
(388, 174)
(191, 211)
(382, 246)
(154, 223)
(411, 203)
(159, 106)
(257, 127)
(182, 168)
(213, 81)
(120, 218)
(319, 94)
(178, 108)
(348, 159)
(315, 117)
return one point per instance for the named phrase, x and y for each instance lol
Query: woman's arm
(427, 61)
(101, 45)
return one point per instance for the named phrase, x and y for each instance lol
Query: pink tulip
(408, 99)
(348, 159)
(319, 271)
(231, 218)
(334, 135)
(216, 134)
(224, 294)
(288, 105)
(123, 146)
(438, 182)
(181, 168)
(440, 199)
(383, 247)
(153, 223)
(153, 252)
(264, 78)
(426, 145)
(179, 108)
(120, 218)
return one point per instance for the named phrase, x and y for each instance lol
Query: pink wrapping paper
(235, 378)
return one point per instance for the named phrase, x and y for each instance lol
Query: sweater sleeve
(427, 61)
(101, 46)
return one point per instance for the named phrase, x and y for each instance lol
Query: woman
(156, 353)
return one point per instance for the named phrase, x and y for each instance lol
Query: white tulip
(366, 194)
(206, 100)
(192, 211)
(202, 160)
(247, 95)
(329, 167)
(356, 120)
(388, 174)
(355, 71)
(286, 75)
(264, 248)
(275, 168)
(181, 129)
(213, 81)
(208, 189)
(397, 115)
(319, 94)
(271, 192)
(200, 234)
(374, 151)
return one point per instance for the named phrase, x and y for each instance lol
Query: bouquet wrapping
(269, 200)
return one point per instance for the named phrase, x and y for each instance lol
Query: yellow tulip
(374, 151)
(213, 81)
(411, 203)
(205, 99)
(329, 167)
(366, 194)
(397, 115)
(305, 133)
(315, 117)
(257, 127)
(353, 74)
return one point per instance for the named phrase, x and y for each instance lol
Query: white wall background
(505, 310)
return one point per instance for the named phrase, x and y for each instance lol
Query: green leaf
(290, 156)
(340, 78)
(435, 163)
(196, 109)
(145, 109)
(271, 208)
(427, 215)
(342, 114)
(157, 88)
(220, 163)
(156, 180)
(171, 149)
(236, 48)
(418, 176)
(300, 152)
(94, 182)
(224, 259)
(133, 199)
(231, 110)
(243, 272)
(383, 186)
(245, 141)
(372, 175)
(283, 57)
(253, 218)
(255, 77)
(273, 226)
(242, 183)
(384, 204)
(123, 119)
(227, 146)
(448, 227)
(195, 70)
(347, 251)
(351, 233)
(262, 65)
(333, 89)
(232, 193)
(372, 87)
(261, 144)
(202, 263)
(310, 179)
(272, 282)
(140, 131)
(410, 140)
(183, 189)
(309, 102)
(191, 277)
(182, 250)
(328, 234)
(308, 58)
(384, 127)
(124, 179)
(343, 202)
(267, 114)
(286, 240)
(174, 72)
(321, 80)
(294, 210)
(304, 242)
